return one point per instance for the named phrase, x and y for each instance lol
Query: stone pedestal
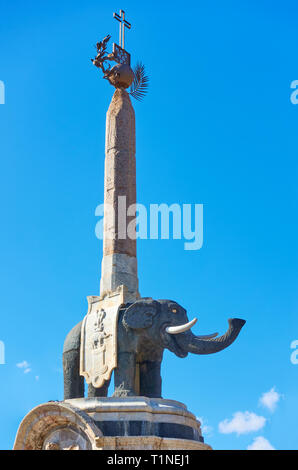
(130, 423)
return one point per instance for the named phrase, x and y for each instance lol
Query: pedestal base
(130, 423)
(149, 443)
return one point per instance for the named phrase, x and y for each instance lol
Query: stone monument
(122, 332)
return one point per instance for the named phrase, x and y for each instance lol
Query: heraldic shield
(99, 338)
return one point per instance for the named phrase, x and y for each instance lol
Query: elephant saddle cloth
(99, 339)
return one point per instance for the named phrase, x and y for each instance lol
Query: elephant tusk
(175, 330)
(207, 336)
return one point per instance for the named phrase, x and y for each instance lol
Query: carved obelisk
(119, 263)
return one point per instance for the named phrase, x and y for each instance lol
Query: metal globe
(121, 76)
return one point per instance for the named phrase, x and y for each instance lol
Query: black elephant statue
(145, 328)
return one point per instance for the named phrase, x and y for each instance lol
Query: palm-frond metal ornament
(121, 75)
(139, 86)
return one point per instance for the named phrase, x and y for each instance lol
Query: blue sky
(217, 128)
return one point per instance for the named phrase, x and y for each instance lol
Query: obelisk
(119, 263)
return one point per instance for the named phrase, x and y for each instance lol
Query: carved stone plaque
(99, 338)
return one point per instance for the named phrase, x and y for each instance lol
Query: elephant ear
(140, 314)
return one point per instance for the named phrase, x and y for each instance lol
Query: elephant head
(165, 323)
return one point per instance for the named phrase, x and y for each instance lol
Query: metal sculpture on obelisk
(122, 332)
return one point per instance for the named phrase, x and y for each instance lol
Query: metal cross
(123, 24)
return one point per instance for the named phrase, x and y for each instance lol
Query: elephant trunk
(193, 344)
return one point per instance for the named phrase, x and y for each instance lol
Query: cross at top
(123, 24)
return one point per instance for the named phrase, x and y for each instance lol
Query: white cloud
(260, 443)
(23, 365)
(270, 399)
(242, 423)
(205, 428)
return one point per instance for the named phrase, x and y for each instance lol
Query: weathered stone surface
(148, 443)
(120, 182)
(110, 424)
(119, 269)
(36, 430)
